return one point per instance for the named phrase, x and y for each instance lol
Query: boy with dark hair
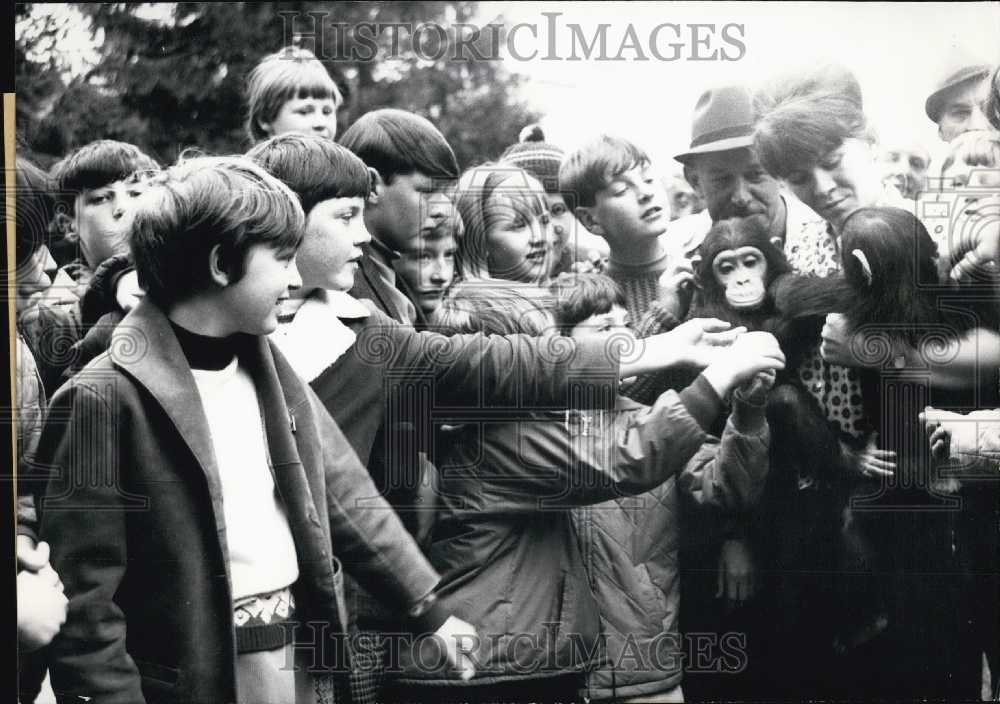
(411, 160)
(199, 495)
(95, 189)
(619, 197)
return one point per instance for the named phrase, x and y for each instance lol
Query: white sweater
(262, 555)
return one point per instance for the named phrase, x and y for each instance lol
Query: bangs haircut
(203, 202)
(795, 130)
(397, 142)
(477, 187)
(314, 168)
(492, 308)
(34, 204)
(289, 74)
(579, 296)
(592, 167)
(96, 165)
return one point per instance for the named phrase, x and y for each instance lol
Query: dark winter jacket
(504, 539)
(133, 512)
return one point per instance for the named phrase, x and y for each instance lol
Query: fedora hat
(961, 70)
(723, 120)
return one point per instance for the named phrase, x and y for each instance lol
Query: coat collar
(145, 347)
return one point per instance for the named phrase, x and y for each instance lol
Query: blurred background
(170, 75)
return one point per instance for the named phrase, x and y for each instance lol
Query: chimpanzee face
(742, 273)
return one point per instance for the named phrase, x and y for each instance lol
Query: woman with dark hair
(921, 641)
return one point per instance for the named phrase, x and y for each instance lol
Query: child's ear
(586, 218)
(217, 268)
(266, 128)
(377, 185)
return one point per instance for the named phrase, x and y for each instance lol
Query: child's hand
(676, 286)
(31, 557)
(755, 389)
(127, 292)
(41, 608)
(698, 340)
(750, 354)
(737, 573)
(458, 639)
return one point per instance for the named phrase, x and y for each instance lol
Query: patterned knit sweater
(640, 284)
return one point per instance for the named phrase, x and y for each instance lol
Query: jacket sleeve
(368, 537)
(729, 472)
(585, 457)
(30, 413)
(83, 520)
(99, 298)
(513, 371)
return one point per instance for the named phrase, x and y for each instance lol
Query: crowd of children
(334, 421)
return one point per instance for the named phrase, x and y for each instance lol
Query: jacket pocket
(158, 673)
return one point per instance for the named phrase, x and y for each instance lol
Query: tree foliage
(174, 81)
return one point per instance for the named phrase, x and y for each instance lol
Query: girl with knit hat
(576, 249)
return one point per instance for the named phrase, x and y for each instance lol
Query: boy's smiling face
(330, 252)
(102, 219)
(253, 303)
(632, 206)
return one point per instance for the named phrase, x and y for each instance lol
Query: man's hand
(127, 292)
(41, 608)
(458, 639)
(976, 243)
(737, 573)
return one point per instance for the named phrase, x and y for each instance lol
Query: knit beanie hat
(539, 159)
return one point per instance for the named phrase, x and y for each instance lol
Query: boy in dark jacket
(200, 499)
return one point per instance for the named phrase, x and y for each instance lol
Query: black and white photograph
(458, 352)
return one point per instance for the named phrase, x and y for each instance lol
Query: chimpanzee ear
(866, 267)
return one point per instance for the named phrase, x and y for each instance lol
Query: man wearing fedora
(724, 171)
(955, 104)
(723, 168)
